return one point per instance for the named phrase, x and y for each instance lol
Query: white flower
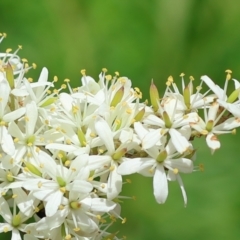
(62, 179)
(155, 166)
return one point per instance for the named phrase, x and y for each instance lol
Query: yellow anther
(34, 65)
(128, 180)
(102, 185)
(117, 74)
(68, 141)
(228, 71)
(2, 123)
(24, 60)
(108, 77)
(111, 168)
(30, 80)
(55, 79)
(36, 209)
(63, 86)
(14, 195)
(8, 50)
(191, 78)
(198, 88)
(168, 83)
(182, 75)
(77, 229)
(67, 80)
(68, 237)
(124, 220)
(150, 170)
(5, 229)
(204, 132)
(39, 184)
(92, 134)
(234, 131)
(170, 79)
(83, 72)
(67, 163)
(26, 118)
(100, 150)
(201, 167)
(104, 70)
(129, 111)
(175, 171)
(122, 80)
(61, 207)
(62, 189)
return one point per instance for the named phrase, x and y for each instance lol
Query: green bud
(16, 220)
(154, 97)
(81, 137)
(209, 125)
(162, 156)
(117, 155)
(31, 140)
(61, 182)
(166, 119)
(10, 177)
(9, 75)
(75, 205)
(234, 95)
(33, 169)
(48, 101)
(140, 115)
(118, 97)
(186, 96)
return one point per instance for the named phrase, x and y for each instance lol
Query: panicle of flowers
(63, 153)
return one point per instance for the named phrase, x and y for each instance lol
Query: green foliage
(145, 40)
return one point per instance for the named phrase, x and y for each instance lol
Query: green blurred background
(145, 40)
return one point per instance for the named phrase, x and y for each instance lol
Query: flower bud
(154, 97)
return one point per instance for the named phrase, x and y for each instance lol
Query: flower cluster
(63, 153)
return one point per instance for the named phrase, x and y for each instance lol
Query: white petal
(5, 211)
(140, 130)
(179, 141)
(232, 108)
(102, 205)
(53, 203)
(4, 94)
(212, 141)
(42, 79)
(105, 133)
(131, 166)
(182, 164)
(182, 189)
(32, 115)
(151, 138)
(114, 184)
(7, 141)
(80, 186)
(160, 185)
(12, 116)
(215, 88)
